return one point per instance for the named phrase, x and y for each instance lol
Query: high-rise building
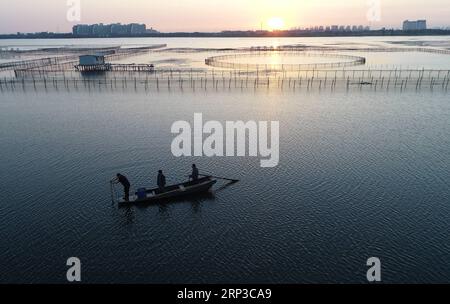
(105, 30)
(332, 28)
(118, 29)
(82, 30)
(417, 25)
(101, 30)
(138, 28)
(421, 24)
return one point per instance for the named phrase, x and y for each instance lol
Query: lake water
(361, 174)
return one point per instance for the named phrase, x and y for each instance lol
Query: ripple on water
(360, 175)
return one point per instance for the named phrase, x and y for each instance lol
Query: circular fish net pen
(272, 61)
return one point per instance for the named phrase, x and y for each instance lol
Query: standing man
(194, 174)
(121, 179)
(161, 180)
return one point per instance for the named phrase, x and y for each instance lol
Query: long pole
(112, 191)
(219, 177)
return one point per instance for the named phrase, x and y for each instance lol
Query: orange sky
(216, 15)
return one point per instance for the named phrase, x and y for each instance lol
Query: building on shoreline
(333, 28)
(418, 25)
(108, 30)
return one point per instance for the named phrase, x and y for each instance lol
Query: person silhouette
(161, 180)
(194, 175)
(122, 179)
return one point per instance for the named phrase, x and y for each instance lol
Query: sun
(275, 24)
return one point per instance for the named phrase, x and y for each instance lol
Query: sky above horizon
(217, 15)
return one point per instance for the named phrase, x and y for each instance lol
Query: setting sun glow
(275, 24)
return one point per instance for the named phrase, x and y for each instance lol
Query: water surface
(361, 174)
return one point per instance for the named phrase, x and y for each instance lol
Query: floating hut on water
(93, 63)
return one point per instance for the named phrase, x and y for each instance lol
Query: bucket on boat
(141, 193)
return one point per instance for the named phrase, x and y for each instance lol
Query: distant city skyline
(111, 29)
(218, 15)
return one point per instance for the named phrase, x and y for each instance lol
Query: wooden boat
(144, 196)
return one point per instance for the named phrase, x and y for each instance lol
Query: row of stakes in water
(224, 83)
